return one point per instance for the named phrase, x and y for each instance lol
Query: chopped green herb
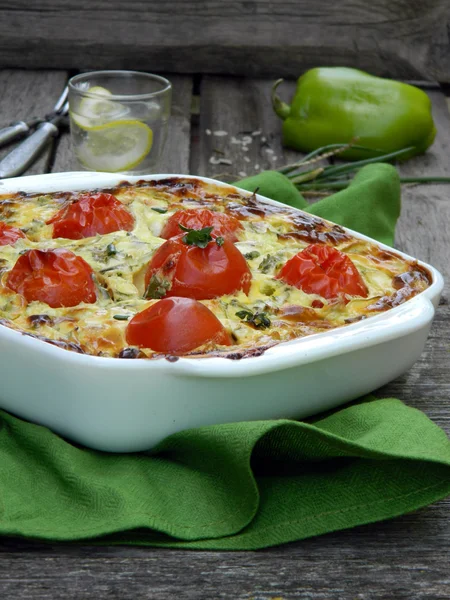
(259, 320)
(197, 237)
(104, 254)
(121, 317)
(111, 250)
(157, 288)
(219, 241)
(244, 314)
(268, 263)
(267, 289)
(161, 211)
(251, 255)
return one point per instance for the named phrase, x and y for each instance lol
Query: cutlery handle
(7, 134)
(18, 161)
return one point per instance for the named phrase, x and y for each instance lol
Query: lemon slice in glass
(92, 112)
(115, 146)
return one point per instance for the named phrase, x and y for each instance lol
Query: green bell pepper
(335, 105)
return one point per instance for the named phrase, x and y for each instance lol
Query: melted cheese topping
(271, 235)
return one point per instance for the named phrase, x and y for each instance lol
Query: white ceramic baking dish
(121, 405)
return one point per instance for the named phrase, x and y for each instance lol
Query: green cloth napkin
(236, 486)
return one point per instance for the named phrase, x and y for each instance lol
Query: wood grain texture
(176, 154)
(383, 561)
(403, 559)
(27, 94)
(237, 125)
(175, 157)
(401, 38)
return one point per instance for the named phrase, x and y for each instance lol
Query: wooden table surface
(406, 558)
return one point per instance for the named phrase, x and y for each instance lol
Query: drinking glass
(118, 120)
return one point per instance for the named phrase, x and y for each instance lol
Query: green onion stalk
(337, 177)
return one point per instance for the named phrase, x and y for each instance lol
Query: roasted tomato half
(9, 235)
(91, 215)
(323, 270)
(223, 225)
(181, 269)
(57, 277)
(176, 326)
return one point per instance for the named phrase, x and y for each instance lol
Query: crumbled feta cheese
(219, 161)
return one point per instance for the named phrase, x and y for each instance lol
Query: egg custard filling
(179, 266)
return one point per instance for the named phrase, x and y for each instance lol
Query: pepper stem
(281, 108)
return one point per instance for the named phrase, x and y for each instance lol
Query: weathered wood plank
(237, 124)
(382, 561)
(175, 157)
(28, 94)
(256, 37)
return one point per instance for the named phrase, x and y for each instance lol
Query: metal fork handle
(7, 134)
(18, 161)
(62, 100)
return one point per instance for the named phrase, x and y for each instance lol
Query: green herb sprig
(200, 237)
(258, 319)
(197, 237)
